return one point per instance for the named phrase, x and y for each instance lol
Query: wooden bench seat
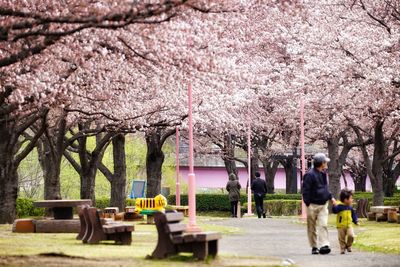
(172, 238)
(93, 231)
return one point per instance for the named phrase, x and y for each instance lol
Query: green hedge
(104, 202)
(25, 206)
(281, 207)
(220, 202)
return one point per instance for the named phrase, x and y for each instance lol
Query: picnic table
(62, 208)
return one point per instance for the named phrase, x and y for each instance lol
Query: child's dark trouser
(234, 205)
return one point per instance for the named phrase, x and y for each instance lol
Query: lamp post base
(193, 229)
(248, 215)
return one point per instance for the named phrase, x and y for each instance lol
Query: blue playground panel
(138, 189)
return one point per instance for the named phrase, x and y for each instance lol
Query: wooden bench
(93, 231)
(380, 213)
(172, 238)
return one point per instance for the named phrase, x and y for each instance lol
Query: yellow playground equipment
(151, 205)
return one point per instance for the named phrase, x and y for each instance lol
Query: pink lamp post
(303, 158)
(177, 184)
(192, 227)
(249, 211)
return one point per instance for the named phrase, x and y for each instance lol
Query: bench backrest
(82, 221)
(94, 217)
(169, 223)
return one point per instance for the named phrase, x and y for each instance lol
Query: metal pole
(303, 157)
(249, 211)
(192, 227)
(178, 188)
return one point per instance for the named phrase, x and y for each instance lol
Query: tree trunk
(291, 175)
(228, 155)
(154, 161)
(377, 164)
(334, 170)
(51, 147)
(50, 161)
(90, 163)
(360, 183)
(338, 159)
(8, 180)
(270, 168)
(11, 157)
(118, 183)
(390, 176)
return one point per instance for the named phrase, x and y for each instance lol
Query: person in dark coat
(316, 196)
(259, 188)
(233, 187)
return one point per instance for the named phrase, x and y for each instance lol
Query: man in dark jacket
(316, 196)
(233, 187)
(259, 188)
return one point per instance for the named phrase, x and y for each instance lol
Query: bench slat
(207, 236)
(175, 228)
(174, 217)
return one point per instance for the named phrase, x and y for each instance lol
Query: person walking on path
(259, 188)
(346, 216)
(233, 187)
(316, 196)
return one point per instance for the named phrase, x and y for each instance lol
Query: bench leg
(82, 230)
(96, 237)
(124, 238)
(213, 248)
(200, 250)
(164, 248)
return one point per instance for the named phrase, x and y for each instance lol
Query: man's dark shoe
(315, 251)
(325, 250)
(264, 215)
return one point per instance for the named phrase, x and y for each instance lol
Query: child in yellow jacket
(345, 218)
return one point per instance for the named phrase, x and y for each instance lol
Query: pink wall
(216, 177)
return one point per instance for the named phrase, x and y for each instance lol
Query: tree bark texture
(270, 169)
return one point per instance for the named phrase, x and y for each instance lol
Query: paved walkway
(286, 239)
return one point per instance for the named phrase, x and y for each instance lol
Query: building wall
(217, 177)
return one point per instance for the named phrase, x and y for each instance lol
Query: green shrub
(102, 202)
(279, 207)
(392, 202)
(25, 208)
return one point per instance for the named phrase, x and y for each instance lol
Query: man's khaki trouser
(317, 219)
(344, 232)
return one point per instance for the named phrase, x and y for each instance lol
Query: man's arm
(227, 187)
(306, 190)
(265, 186)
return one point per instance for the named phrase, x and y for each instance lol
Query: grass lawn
(63, 249)
(375, 237)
